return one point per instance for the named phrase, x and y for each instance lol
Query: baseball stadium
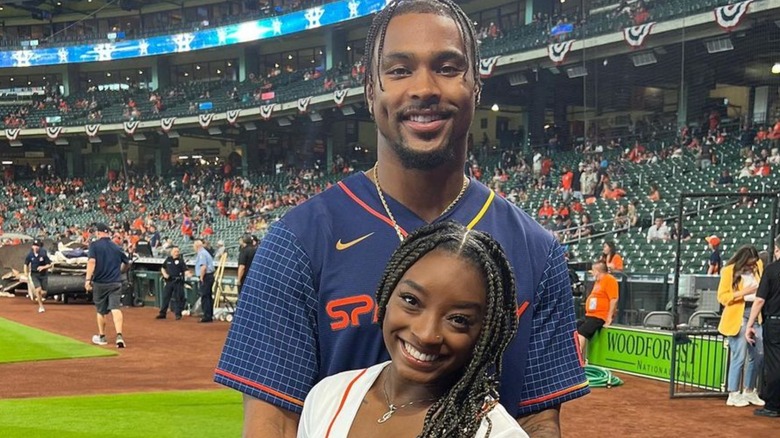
(638, 139)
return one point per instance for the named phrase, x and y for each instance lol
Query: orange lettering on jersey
(340, 318)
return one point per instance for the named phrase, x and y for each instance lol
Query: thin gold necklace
(391, 408)
(390, 214)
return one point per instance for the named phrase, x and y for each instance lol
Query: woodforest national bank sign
(701, 360)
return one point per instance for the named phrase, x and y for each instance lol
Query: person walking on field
(36, 268)
(105, 266)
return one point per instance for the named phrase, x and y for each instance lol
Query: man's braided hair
(375, 41)
(460, 411)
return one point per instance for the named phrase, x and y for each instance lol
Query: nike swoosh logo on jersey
(341, 246)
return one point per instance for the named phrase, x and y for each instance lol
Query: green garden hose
(601, 377)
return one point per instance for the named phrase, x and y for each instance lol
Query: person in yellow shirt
(600, 306)
(739, 281)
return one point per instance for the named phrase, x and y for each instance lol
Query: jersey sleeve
(271, 348)
(553, 373)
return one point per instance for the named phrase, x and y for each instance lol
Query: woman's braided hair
(460, 411)
(447, 8)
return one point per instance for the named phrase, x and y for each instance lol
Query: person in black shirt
(767, 303)
(174, 271)
(245, 257)
(36, 266)
(106, 263)
(685, 235)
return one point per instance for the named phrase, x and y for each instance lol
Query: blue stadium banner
(312, 18)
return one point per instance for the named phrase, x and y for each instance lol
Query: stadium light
(642, 59)
(718, 45)
(577, 71)
(517, 79)
(776, 68)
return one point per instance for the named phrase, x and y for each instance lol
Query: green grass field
(21, 343)
(151, 414)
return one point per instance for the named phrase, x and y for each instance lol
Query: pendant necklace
(391, 407)
(390, 214)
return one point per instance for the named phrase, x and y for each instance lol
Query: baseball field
(53, 383)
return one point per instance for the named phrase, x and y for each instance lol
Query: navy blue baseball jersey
(307, 309)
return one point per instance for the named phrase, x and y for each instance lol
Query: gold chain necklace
(391, 408)
(390, 214)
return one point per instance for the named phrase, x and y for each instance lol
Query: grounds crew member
(36, 268)
(106, 263)
(600, 306)
(767, 304)
(174, 271)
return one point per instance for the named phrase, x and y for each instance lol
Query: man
(657, 232)
(154, 238)
(725, 178)
(715, 262)
(104, 278)
(174, 270)
(204, 269)
(245, 256)
(36, 268)
(684, 234)
(767, 304)
(599, 307)
(307, 308)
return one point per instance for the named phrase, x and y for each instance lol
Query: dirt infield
(171, 355)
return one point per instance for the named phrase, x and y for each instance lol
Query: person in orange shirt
(610, 256)
(546, 210)
(600, 306)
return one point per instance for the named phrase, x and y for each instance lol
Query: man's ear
(369, 93)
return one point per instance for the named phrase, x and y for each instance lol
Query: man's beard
(427, 160)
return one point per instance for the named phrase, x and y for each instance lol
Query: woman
(610, 256)
(447, 309)
(654, 194)
(737, 289)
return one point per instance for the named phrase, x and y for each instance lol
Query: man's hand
(608, 322)
(88, 286)
(750, 335)
(544, 424)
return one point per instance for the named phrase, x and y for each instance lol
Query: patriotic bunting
(339, 96)
(131, 126)
(205, 120)
(232, 116)
(728, 17)
(53, 132)
(92, 130)
(12, 133)
(166, 123)
(635, 35)
(558, 51)
(303, 104)
(266, 111)
(487, 65)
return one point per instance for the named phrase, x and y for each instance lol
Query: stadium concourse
(172, 121)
